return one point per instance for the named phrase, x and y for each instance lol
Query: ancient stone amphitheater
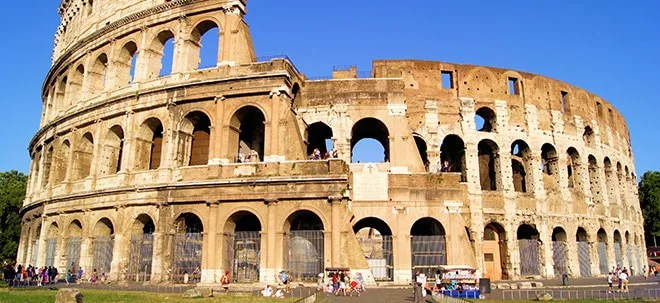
(165, 177)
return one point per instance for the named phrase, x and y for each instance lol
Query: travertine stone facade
(179, 177)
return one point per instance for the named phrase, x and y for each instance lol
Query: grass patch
(104, 296)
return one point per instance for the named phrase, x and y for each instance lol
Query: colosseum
(246, 164)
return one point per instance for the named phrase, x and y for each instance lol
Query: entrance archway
(141, 248)
(618, 248)
(529, 250)
(494, 248)
(51, 244)
(304, 246)
(560, 251)
(584, 258)
(602, 252)
(375, 238)
(104, 243)
(243, 246)
(428, 246)
(187, 248)
(74, 232)
(246, 135)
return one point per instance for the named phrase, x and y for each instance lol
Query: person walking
(609, 282)
(224, 281)
(417, 286)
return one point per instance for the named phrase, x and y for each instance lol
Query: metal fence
(530, 260)
(245, 249)
(427, 254)
(187, 263)
(103, 246)
(560, 257)
(584, 258)
(35, 252)
(602, 258)
(561, 294)
(305, 255)
(50, 252)
(629, 257)
(378, 252)
(617, 255)
(140, 259)
(73, 253)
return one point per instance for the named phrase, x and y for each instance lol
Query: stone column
(271, 144)
(336, 205)
(157, 262)
(219, 141)
(43, 244)
(401, 248)
(267, 273)
(210, 268)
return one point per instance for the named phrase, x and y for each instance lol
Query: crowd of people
(619, 275)
(341, 283)
(17, 275)
(316, 154)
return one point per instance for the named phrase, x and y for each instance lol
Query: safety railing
(564, 294)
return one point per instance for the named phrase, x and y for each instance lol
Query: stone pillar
(401, 248)
(22, 246)
(271, 144)
(210, 267)
(43, 244)
(336, 206)
(218, 149)
(547, 261)
(267, 273)
(472, 168)
(158, 263)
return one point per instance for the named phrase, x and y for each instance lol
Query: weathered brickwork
(156, 177)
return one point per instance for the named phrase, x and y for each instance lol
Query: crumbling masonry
(136, 172)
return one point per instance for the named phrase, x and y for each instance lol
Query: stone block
(544, 297)
(525, 285)
(193, 293)
(69, 295)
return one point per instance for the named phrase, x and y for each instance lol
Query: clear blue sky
(611, 48)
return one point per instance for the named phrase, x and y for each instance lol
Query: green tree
(12, 193)
(649, 199)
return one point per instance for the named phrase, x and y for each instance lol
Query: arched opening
(618, 248)
(103, 243)
(529, 249)
(629, 253)
(485, 120)
(247, 135)
(304, 249)
(141, 249)
(584, 255)
(36, 168)
(559, 251)
(207, 35)
(98, 75)
(573, 168)
(427, 246)
(521, 156)
(588, 136)
(194, 139)
(594, 181)
(550, 166)
(48, 160)
(161, 55)
(61, 161)
(375, 238)
(601, 236)
(489, 165)
(365, 150)
(610, 181)
(60, 93)
(75, 85)
(82, 157)
(187, 249)
(622, 184)
(495, 251)
(125, 64)
(34, 242)
(52, 235)
(627, 183)
(319, 141)
(452, 156)
(112, 151)
(422, 149)
(74, 234)
(243, 246)
(149, 145)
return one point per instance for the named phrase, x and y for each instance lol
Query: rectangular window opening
(564, 103)
(447, 80)
(514, 86)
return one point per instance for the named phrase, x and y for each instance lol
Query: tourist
(623, 280)
(224, 282)
(93, 277)
(185, 277)
(609, 282)
(267, 292)
(67, 279)
(80, 275)
(417, 286)
(360, 281)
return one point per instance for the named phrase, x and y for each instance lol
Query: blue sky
(611, 48)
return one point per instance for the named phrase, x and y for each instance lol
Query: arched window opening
(495, 251)
(422, 149)
(163, 52)
(489, 165)
(584, 254)
(125, 64)
(319, 141)
(618, 248)
(98, 75)
(247, 135)
(452, 156)
(74, 239)
(521, 156)
(112, 150)
(194, 139)
(51, 244)
(208, 37)
(529, 250)
(61, 163)
(36, 168)
(485, 120)
(428, 246)
(243, 231)
(141, 249)
(295, 92)
(603, 263)
(75, 85)
(149, 145)
(48, 160)
(588, 136)
(304, 240)
(594, 181)
(560, 251)
(187, 249)
(375, 238)
(83, 156)
(60, 93)
(550, 166)
(573, 168)
(610, 181)
(368, 151)
(104, 242)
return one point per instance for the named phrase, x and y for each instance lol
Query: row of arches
(158, 56)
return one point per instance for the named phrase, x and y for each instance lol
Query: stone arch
(295, 92)
(242, 232)
(601, 237)
(573, 168)
(48, 160)
(194, 139)
(521, 166)
(204, 33)
(304, 243)
(149, 145)
(622, 184)
(125, 64)
(83, 155)
(103, 245)
(560, 251)
(61, 162)
(187, 248)
(247, 139)
(485, 120)
(489, 165)
(588, 136)
(375, 238)
(423, 150)
(452, 156)
(75, 85)
(98, 75)
(36, 167)
(61, 92)
(74, 240)
(495, 251)
(319, 136)
(161, 54)
(583, 251)
(112, 151)
(427, 246)
(550, 166)
(529, 250)
(242, 220)
(52, 235)
(370, 128)
(141, 248)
